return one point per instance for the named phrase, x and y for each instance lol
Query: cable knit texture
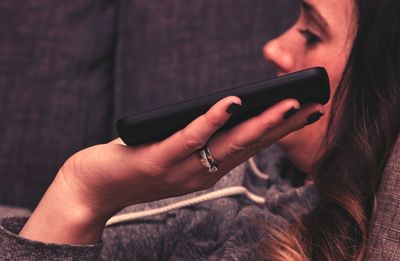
(223, 229)
(227, 228)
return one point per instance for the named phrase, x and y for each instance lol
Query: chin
(299, 149)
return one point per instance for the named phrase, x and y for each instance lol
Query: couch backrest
(384, 239)
(55, 88)
(173, 50)
(69, 69)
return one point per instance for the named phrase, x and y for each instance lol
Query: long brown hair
(360, 137)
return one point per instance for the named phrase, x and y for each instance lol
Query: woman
(363, 64)
(343, 36)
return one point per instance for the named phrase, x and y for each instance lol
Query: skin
(97, 182)
(313, 41)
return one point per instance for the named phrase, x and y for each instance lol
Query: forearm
(97, 182)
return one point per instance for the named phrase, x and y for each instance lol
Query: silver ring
(207, 159)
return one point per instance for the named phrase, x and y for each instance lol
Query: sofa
(70, 69)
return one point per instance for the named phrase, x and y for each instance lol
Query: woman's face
(322, 36)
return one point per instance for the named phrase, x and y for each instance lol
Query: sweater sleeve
(153, 238)
(14, 247)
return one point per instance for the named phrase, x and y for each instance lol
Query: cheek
(334, 61)
(335, 71)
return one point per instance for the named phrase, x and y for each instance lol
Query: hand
(97, 182)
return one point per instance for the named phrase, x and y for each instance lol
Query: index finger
(196, 134)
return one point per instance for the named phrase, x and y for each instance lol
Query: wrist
(61, 217)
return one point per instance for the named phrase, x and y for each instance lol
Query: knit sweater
(224, 229)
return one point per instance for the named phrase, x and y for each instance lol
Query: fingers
(244, 136)
(196, 134)
(237, 145)
(226, 144)
(294, 123)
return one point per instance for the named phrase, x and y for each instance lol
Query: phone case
(310, 85)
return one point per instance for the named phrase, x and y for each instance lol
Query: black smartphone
(310, 85)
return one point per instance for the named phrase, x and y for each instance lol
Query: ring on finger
(207, 159)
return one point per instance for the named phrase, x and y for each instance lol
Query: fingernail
(234, 107)
(291, 112)
(313, 117)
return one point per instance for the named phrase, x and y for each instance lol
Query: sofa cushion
(70, 69)
(384, 238)
(169, 51)
(56, 64)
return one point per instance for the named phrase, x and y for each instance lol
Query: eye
(311, 38)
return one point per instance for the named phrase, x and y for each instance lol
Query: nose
(278, 53)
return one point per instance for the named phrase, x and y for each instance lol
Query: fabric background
(384, 238)
(56, 80)
(70, 69)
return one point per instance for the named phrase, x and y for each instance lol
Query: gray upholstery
(384, 241)
(55, 89)
(172, 50)
(70, 69)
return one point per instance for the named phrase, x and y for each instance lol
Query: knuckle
(192, 142)
(234, 149)
(267, 123)
(213, 121)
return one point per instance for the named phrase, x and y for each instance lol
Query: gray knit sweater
(223, 229)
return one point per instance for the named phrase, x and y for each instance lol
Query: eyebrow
(316, 16)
